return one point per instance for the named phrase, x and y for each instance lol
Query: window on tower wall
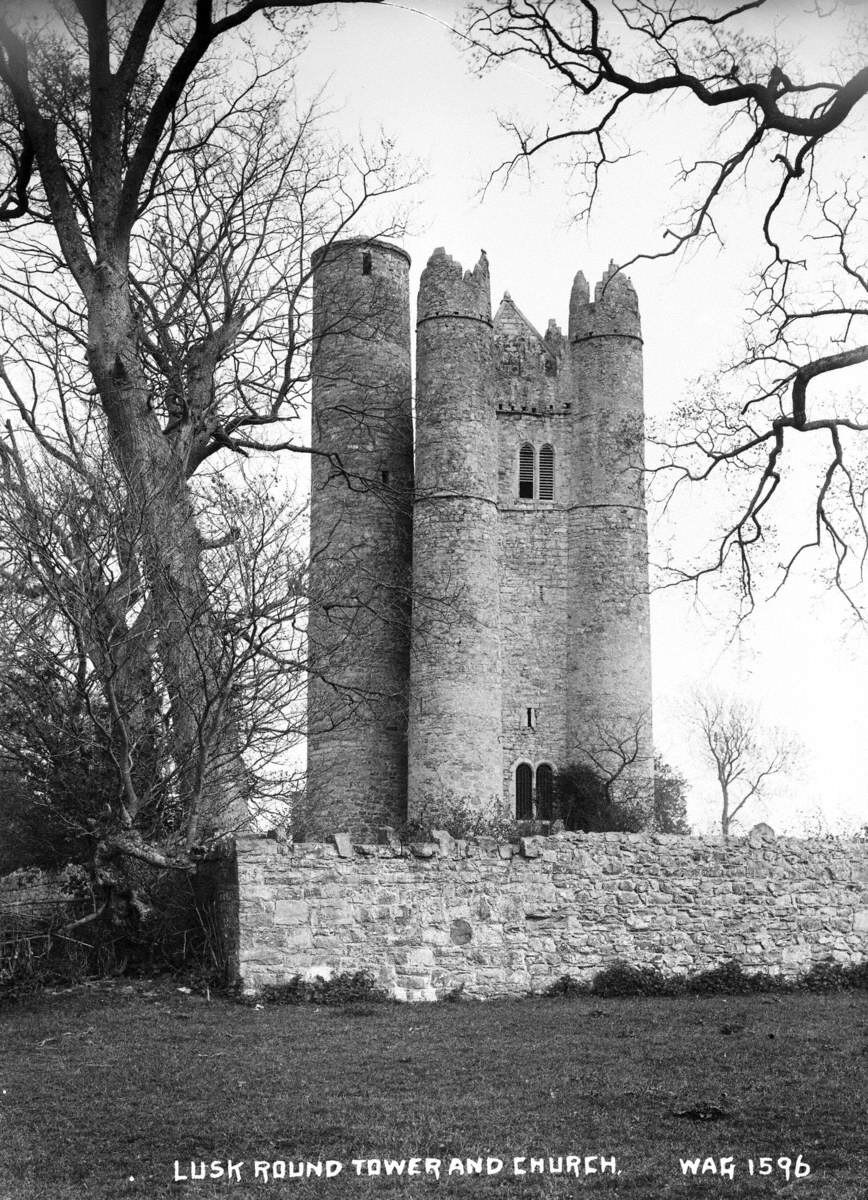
(544, 790)
(546, 473)
(525, 472)
(524, 792)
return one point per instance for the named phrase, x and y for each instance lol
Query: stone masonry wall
(505, 919)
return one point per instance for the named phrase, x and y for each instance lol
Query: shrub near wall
(506, 919)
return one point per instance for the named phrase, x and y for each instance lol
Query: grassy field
(102, 1089)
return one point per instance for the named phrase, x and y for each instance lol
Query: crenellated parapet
(614, 311)
(447, 290)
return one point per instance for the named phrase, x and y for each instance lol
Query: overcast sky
(400, 68)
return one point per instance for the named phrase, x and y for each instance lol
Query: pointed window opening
(525, 472)
(546, 473)
(524, 792)
(366, 263)
(544, 791)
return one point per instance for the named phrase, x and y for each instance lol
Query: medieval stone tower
(482, 621)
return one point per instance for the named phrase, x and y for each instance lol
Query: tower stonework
(455, 702)
(360, 521)
(529, 646)
(609, 656)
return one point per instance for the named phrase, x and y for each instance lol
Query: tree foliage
(670, 798)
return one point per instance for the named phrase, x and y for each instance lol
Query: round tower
(609, 641)
(455, 683)
(360, 529)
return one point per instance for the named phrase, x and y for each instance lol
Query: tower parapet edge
(360, 522)
(446, 289)
(455, 684)
(609, 654)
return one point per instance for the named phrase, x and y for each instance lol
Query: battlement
(614, 311)
(447, 290)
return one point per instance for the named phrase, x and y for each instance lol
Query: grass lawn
(101, 1089)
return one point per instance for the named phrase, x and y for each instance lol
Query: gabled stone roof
(510, 321)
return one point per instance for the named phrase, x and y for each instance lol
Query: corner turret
(455, 684)
(609, 660)
(613, 311)
(445, 290)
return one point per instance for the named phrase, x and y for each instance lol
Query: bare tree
(88, 720)
(159, 207)
(744, 755)
(609, 786)
(782, 120)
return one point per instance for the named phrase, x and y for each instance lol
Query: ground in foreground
(104, 1088)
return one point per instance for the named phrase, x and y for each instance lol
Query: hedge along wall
(507, 919)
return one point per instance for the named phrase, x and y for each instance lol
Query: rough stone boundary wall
(504, 919)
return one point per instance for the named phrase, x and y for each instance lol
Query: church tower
(361, 526)
(479, 613)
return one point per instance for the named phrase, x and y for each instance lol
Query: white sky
(399, 68)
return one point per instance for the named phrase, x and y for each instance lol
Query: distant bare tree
(744, 755)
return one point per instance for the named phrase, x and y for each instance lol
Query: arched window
(525, 472)
(544, 779)
(524, 792)
(546, 473)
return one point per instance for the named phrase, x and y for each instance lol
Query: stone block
(291, 912)
(343, 843)
(444, 841)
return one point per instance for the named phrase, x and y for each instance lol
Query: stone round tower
(361, 528)
(609, 643)
(455, 676)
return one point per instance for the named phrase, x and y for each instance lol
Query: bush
(567, 986)
(728, 979)
(351, 987)
(460, 817)
(670, 799)
(831, 976)
(583, 801)
(621, 979)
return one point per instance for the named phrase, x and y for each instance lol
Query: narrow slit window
(524, 792)
(546, 473)
(525, 472)
(544, 791)
(366, 263)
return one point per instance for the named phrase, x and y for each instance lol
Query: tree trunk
(189, 647)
